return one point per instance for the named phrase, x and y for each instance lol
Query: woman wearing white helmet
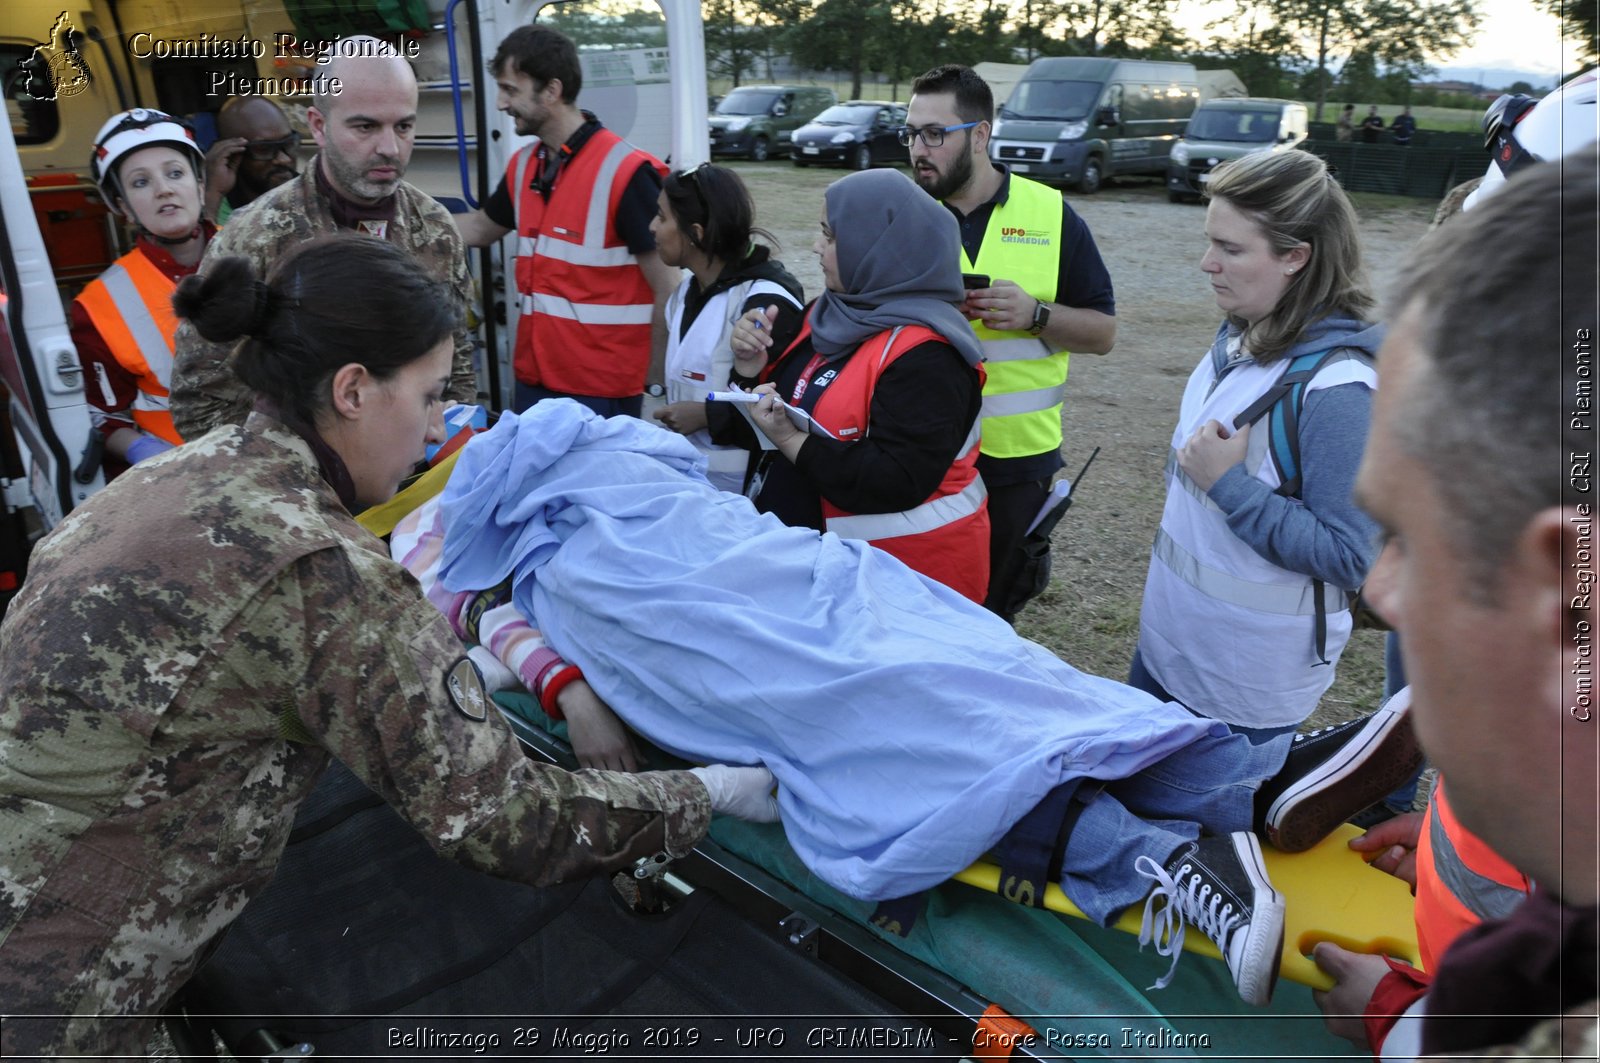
(150, 171)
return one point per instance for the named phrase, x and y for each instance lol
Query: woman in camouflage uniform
(195, 642)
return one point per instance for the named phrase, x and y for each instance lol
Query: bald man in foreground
(363, 121)
(1479, 468)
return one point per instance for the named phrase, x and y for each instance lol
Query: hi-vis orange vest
(130, 305)
(1461, 882)
(585, 305)
(946, 537)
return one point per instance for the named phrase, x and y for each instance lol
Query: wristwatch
(656, 391)
(1041, 317)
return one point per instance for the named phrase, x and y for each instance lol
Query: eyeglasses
(692, 176)
(267, 150)
(932, 135)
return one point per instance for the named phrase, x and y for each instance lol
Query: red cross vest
(1461, 882)
(946, 537)
(131, 307)
(585, 306)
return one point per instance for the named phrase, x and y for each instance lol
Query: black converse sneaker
(1333, 773)
(1219, 884)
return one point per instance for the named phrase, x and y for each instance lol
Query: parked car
(1077, 120)
(859, 134)
(1224, 129)
(759, 120)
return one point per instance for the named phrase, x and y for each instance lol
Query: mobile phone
(970, 281)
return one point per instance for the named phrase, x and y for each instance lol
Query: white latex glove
(496, 676)
(744, 793)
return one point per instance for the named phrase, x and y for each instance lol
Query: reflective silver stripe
(974, 435)
(1247, 594)
(524, 246)
(519, 183)
(588, 313)
(1012, 349)
(548, 246)
(106, 393)
(932, 514)
(594, 229)
(151, 403)
(1482, 896)
(731, 460)
(1024, 401)
(141, 325)
(1181, 478)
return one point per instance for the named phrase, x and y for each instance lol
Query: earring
(1289, 270)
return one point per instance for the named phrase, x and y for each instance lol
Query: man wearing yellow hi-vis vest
(1038, 291)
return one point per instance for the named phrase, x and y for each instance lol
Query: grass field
(1440, 119)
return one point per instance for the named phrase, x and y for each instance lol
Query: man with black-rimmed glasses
(1047, 294)
(258, 152)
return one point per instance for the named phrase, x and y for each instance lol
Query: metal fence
(1423, 171)
(1422, 138)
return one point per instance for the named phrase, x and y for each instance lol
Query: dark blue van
(1078, 120)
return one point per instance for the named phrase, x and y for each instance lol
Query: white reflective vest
(1227, 632)
(700, 361)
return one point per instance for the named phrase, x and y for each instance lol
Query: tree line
(1320, 50)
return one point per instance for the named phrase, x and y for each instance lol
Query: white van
(1224, 129)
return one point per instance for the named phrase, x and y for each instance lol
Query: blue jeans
(525, 395)
(1209, 785)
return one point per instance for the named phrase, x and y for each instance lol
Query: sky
(1513, 36)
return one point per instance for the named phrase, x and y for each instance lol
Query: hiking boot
(1333, 773)
(1219, 885)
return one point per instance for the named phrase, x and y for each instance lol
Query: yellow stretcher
(1330, 894)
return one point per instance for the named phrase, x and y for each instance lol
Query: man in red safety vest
(591, 288)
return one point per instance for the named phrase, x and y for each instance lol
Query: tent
(1215, 83)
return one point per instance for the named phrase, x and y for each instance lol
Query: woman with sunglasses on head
(704, 223)
(887, 365)
(164, 717)
(151, 172)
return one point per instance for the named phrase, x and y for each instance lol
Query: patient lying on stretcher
(910, 730)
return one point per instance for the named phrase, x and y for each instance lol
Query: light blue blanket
(908, 728)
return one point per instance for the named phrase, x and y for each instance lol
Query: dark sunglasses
(267, 150)
(692, 176)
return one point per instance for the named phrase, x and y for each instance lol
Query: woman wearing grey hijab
(889, 367)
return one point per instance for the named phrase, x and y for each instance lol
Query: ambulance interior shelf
(80, 232)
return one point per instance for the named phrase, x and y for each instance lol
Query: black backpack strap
(1030, 853)
(1282, 405)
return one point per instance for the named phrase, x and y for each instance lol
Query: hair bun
(262, 311)
(225, 302)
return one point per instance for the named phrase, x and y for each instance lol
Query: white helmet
(1518, 136)
(129, 131)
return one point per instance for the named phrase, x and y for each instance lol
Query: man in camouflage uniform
(190, 647)
(364, 135)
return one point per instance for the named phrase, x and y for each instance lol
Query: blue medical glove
(146, 446)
